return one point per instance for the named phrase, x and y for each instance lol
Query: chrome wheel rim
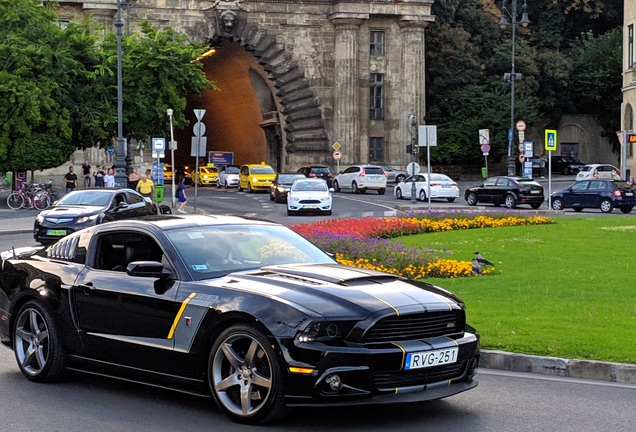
(32, 341)
(472, 199)
(606, 206)
(509, 201)
(557, 204)
(242, 375)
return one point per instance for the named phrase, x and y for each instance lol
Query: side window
(580, 186)
(134, 198)
(244, 171)
(350, 170)
(490, 182)
(115, 250)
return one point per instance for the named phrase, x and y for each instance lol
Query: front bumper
(312, 207)
(376, 374)
(50, 233)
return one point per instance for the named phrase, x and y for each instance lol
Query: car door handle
(87, 287)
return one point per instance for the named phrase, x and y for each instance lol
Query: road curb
(16, 231)
(561, 367)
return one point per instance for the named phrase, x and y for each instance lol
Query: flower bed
(364, 242)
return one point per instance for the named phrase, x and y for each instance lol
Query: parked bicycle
(40, 196)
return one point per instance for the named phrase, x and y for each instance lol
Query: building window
(377, 43)
(62, 24)
(376, 149)
(376, 82)
(630, 46)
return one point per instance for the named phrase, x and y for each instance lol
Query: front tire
(535, 206)
(557, 204)
(249, 188)
(245, 377)
(422, 195)
(398, 193)
(450, 199)
(607, 206)
(37, 348)
(336, 186)
(471, 199)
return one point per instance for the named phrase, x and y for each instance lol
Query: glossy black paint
(495, 190)
(318, 171)
(566, 165)
(596, 194)
(122, 204)
(119, 325)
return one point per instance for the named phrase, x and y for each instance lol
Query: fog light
(335, 383)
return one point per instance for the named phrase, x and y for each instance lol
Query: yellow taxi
(255, 177)
(167, 172)
(208, 175)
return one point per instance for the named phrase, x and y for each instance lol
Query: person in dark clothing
(86, 173)
(71, 180)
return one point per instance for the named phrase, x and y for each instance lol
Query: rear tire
(399, 178)
(245, 377)
(577, 209)
(451, 199)
(381, 191)
(37, 348)
(336, 186)
(626, 209)
(41, 201)
(535, 206)
(510, 201)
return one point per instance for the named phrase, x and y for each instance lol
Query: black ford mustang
(246, 311)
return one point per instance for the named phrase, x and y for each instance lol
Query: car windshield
(262, 170)
(289, 178)
(214, 251)
(309, 186)
(232, 170)
(89, 198)
(209, 170)
(570, 159)
(440, 177)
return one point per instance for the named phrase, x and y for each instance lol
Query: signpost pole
(550, 146)
(199, 129)
(549, 179)
(196, 172)
(428, 169)
(412, 125)
(624, 156)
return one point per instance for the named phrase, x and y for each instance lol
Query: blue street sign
(509, 134)
(157, 174)
(550, 140)
(111, 150)
(158, 144)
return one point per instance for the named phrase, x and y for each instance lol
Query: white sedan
(442, 186)
(309, 195)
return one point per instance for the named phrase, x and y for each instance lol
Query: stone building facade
(629, 80)
(321, 71)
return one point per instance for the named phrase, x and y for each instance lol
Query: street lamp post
(121, 179)
(512, 76)
(412, 125)
(170, 112)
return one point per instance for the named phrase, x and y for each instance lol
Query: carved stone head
(228, 20)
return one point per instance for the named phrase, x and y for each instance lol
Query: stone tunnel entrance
(242, 117)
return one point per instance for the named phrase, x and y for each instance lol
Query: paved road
(502, 402)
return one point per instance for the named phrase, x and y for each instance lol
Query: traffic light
(409, 149)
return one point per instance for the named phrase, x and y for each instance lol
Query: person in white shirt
(109, 179)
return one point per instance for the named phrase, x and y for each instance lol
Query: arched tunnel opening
(241, 117)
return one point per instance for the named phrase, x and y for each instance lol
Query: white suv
(604, 171)
(360, 178)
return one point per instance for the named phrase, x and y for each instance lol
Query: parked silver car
(394, 175)
(360, 178)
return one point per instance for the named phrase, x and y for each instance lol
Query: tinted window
(91, 198)
(580, 186)
(116, 250)
(351, 170)
(320, 170)
(597, 185)
(265, 169)
(289, 178)
(134, 198)
(490, 182)
(586, 168)
(528, 182)
(504, 182)
(374, 170)
(306, 186)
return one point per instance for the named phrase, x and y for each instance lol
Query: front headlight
(281, 189)
(39, 218)
(325, 331)
(254, 179)
(324, 199)
(294, 198)
(87, 218)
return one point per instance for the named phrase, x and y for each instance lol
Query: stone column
(346, 94)
(413, 83)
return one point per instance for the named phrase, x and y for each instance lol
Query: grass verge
(565, 290)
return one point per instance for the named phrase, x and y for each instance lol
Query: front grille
(309, 202)
(416, 326)
(390, 380)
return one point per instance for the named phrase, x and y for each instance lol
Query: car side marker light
(300, 370)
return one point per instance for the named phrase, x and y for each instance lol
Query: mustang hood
(337, 291)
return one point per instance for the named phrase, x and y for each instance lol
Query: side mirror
(339, 172)
(150, 269)
(120, 206)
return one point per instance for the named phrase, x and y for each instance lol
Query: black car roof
(170, 222)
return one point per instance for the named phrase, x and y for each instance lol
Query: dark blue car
(603, 194)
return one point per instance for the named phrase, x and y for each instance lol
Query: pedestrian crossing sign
(550, 140)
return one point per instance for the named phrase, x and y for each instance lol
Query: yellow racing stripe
(403, 354)
(178, 317)
(383, 301)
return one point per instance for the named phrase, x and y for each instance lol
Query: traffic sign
(199, 113)
(413, 168)
(111, 150)
(485, 148)
(158, 144)
(427, 132)
(484, 136)
(521, 158)
(631, 138)
(336, 155)
(202, 143)
(521, 125)
(550, 140)
(336, 146)
(522, 136)
(509, 134)
(520, 147)
(198, 129)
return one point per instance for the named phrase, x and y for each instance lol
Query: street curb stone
(555, 366)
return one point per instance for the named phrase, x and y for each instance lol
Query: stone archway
(297, 126)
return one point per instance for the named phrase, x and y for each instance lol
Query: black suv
(315, 171)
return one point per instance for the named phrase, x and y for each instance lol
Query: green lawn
(565, 290)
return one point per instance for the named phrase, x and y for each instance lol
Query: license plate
(311, 207)
(629, 194)
(56, 232)
(446, 186)
(426, 359)
(534, 191)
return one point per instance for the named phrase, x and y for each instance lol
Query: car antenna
(14, 255)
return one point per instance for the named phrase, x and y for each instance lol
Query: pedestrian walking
(109, 179)
(181, 195)
(86, 173)
(544, 165)
(133, 179)
(146, 187)
(70, 179)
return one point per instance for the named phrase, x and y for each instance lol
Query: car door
(349, 175)
(486, 191)
(119, 208)
(594, 193)
(138, 205)
(575, 197)
(501, 189)
(120, 315)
